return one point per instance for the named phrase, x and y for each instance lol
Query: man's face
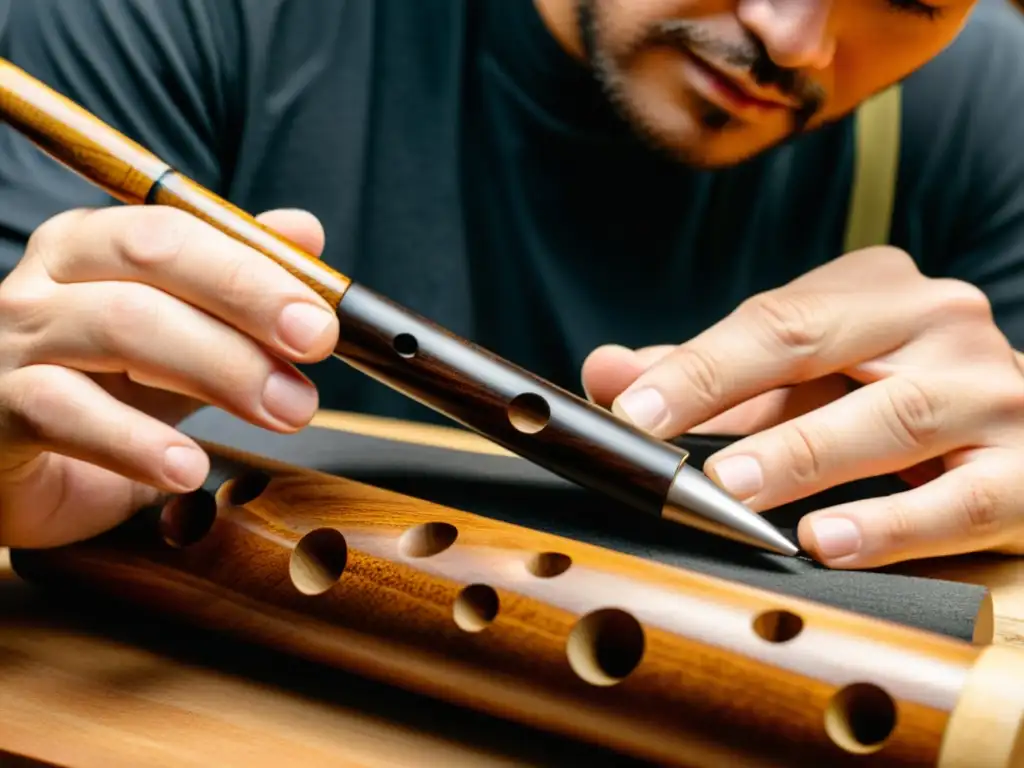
(716, 81)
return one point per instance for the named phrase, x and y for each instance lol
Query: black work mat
(517, 491)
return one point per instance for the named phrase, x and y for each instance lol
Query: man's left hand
(860, 368)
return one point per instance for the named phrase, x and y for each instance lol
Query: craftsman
(796, 220)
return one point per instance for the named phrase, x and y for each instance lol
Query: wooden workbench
(82, 687)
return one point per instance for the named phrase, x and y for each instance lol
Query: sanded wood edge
(986, 729)
(985, 622)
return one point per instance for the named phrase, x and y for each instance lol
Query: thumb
(608, 370)
(301, 227)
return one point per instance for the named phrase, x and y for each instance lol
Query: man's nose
(796, 33)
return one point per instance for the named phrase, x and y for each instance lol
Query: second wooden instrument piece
(654, 661)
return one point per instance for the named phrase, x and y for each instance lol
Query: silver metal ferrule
(694, 500)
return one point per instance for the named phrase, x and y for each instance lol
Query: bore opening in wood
(245, 488)
(605, 646)
(476, 607)
(186, 519)
(546, 565)
(778, 626)
(529, 413)
(405, 344)
(860, 718)
(318, 561)
(427, 540)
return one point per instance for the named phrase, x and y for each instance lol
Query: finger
(185, 257)
(775, 407)
(777, 339)
(162, 342)
(885, 427)
(67, 501)
(973, 507)
(301, 227)
(56, 409)
(610, 369)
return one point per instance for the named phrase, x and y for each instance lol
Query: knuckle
(31, 399)
(50, 233)
(914, 414)
(131, 311)
(23, 302)
(885, 260)
(980, 510)
(897, 259)
(957, 298)
(1009, 397)
(236, 280)
(155, 235)
(698, 370)
(795, 321)
(47, 244)
(901, 530)
(26, 312)
(803, 454)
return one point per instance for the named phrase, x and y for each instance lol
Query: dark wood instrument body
(511, 406)
(653, 661)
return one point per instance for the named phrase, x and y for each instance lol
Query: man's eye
(917, 7)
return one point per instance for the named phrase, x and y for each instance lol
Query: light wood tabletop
(85, 687)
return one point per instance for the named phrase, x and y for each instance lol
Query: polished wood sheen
(654, 661)
(514, 408)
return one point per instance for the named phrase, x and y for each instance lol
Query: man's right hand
(116, 325)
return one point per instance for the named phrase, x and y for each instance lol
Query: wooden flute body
(650, 660)
(507, 404)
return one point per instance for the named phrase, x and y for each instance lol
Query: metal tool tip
(694, 500)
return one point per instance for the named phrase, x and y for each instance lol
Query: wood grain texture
(84, 686)
(513, 408)
(76, 138)
(653, 661)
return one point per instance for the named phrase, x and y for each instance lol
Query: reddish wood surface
(649, 660)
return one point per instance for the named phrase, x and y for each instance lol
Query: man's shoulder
(978, 77)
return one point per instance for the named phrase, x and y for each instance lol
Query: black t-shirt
(464, 166)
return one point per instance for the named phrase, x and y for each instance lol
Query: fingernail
(836, 537)
(645, 408)
(302, 325)
(185, 467)
(740, 476)
(289, 399)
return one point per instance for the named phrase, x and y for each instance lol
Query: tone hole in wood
(318, 561)
(405, 344)
(529, 413)
(245, 488)
(427, 540)
(476, 607)
(186, 519)
(860, 718)
(547, 565)
(778, 626)
(605, 646)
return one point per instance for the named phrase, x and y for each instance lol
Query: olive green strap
(877, 129)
